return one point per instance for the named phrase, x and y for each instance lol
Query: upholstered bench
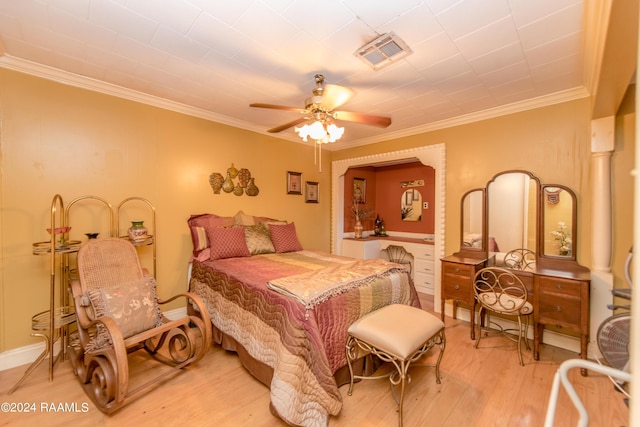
(399, 334)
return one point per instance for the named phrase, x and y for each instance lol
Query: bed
(286, 310)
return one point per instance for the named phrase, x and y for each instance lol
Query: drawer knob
(456, 287)
(558, 308)
(559, 286)
(457, 270)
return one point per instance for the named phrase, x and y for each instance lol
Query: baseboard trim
(24, 355)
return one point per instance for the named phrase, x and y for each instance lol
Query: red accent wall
(383, 195)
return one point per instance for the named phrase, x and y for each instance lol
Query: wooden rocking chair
(118, 313)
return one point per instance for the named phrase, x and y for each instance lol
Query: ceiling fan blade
(287, 125)
(366, 119)
(333, 96)
(278, 107)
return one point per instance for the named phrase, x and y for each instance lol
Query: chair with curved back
(118, 313)
(520, 259)
(399, 255)
(498, 290)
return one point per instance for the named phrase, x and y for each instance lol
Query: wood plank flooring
(480, 387)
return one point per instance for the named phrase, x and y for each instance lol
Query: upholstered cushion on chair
(227, 242)
(258, 239)
(505, 303)
(133, 306)
(396, 329)
(284, 238)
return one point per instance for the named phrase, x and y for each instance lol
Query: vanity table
(422, 269)
(516, 211)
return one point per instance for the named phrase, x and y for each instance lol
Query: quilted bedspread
(303, 343)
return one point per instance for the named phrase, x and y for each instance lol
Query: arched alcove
(431, 155)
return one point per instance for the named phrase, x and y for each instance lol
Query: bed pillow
(258, 239)
(227, 242)
(284, 238)
(198, 225)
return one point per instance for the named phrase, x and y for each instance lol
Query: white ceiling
(212, 58)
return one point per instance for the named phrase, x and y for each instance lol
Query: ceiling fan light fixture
(320, 132)
(383, 51)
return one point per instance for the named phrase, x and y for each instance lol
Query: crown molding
(84, 82)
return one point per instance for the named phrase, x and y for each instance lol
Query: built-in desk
(560, 298)
(422, 267)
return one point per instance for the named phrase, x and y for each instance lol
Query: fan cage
(613, 340)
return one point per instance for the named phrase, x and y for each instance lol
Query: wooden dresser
(457, 284)
(561, 299)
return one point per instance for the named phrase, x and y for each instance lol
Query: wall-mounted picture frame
(311, 192)
(359, 190)
(294, 182)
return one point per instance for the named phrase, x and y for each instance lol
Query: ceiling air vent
(383, 51)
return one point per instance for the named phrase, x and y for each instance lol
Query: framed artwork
(311, 192)
(294, 182)
(359, 190)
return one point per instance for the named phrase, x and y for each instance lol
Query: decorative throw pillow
(243, 219)
(132, 305)
(284, 238)
(205, 221)
(227, 242)
(258, 239)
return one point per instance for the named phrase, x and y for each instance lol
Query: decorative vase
(216, 180)
(137, 232)
(228, 184)
(238, 190)
(252, 189)
(357, 230)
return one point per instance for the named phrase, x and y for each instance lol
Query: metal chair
(500, 291)
(520, 259)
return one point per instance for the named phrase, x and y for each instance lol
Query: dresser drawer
(560, 310)
(424, 283)
(422, 266)
(454, 288)
(465, 272)
(552, 287)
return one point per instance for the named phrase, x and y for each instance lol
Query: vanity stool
(399, 334)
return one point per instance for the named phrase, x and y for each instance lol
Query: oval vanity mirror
(558, 221)
(411, 205)
(472, 217)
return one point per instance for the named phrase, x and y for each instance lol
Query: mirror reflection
(558, 222)
(512, 218)
(472, 212)
(411, 205)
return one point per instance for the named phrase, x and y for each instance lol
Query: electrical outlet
(425, 205)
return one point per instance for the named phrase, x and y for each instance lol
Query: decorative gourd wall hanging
(244, 184)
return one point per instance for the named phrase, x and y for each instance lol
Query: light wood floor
(480, 387)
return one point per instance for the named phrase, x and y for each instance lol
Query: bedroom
(62, 139)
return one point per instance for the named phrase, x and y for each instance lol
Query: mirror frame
(543, 261)
(549, 259)
(466, 250)
(537, 199)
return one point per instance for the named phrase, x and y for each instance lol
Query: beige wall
(60, 139)
(552, 142)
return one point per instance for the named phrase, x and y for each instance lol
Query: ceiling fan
(321, 107)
